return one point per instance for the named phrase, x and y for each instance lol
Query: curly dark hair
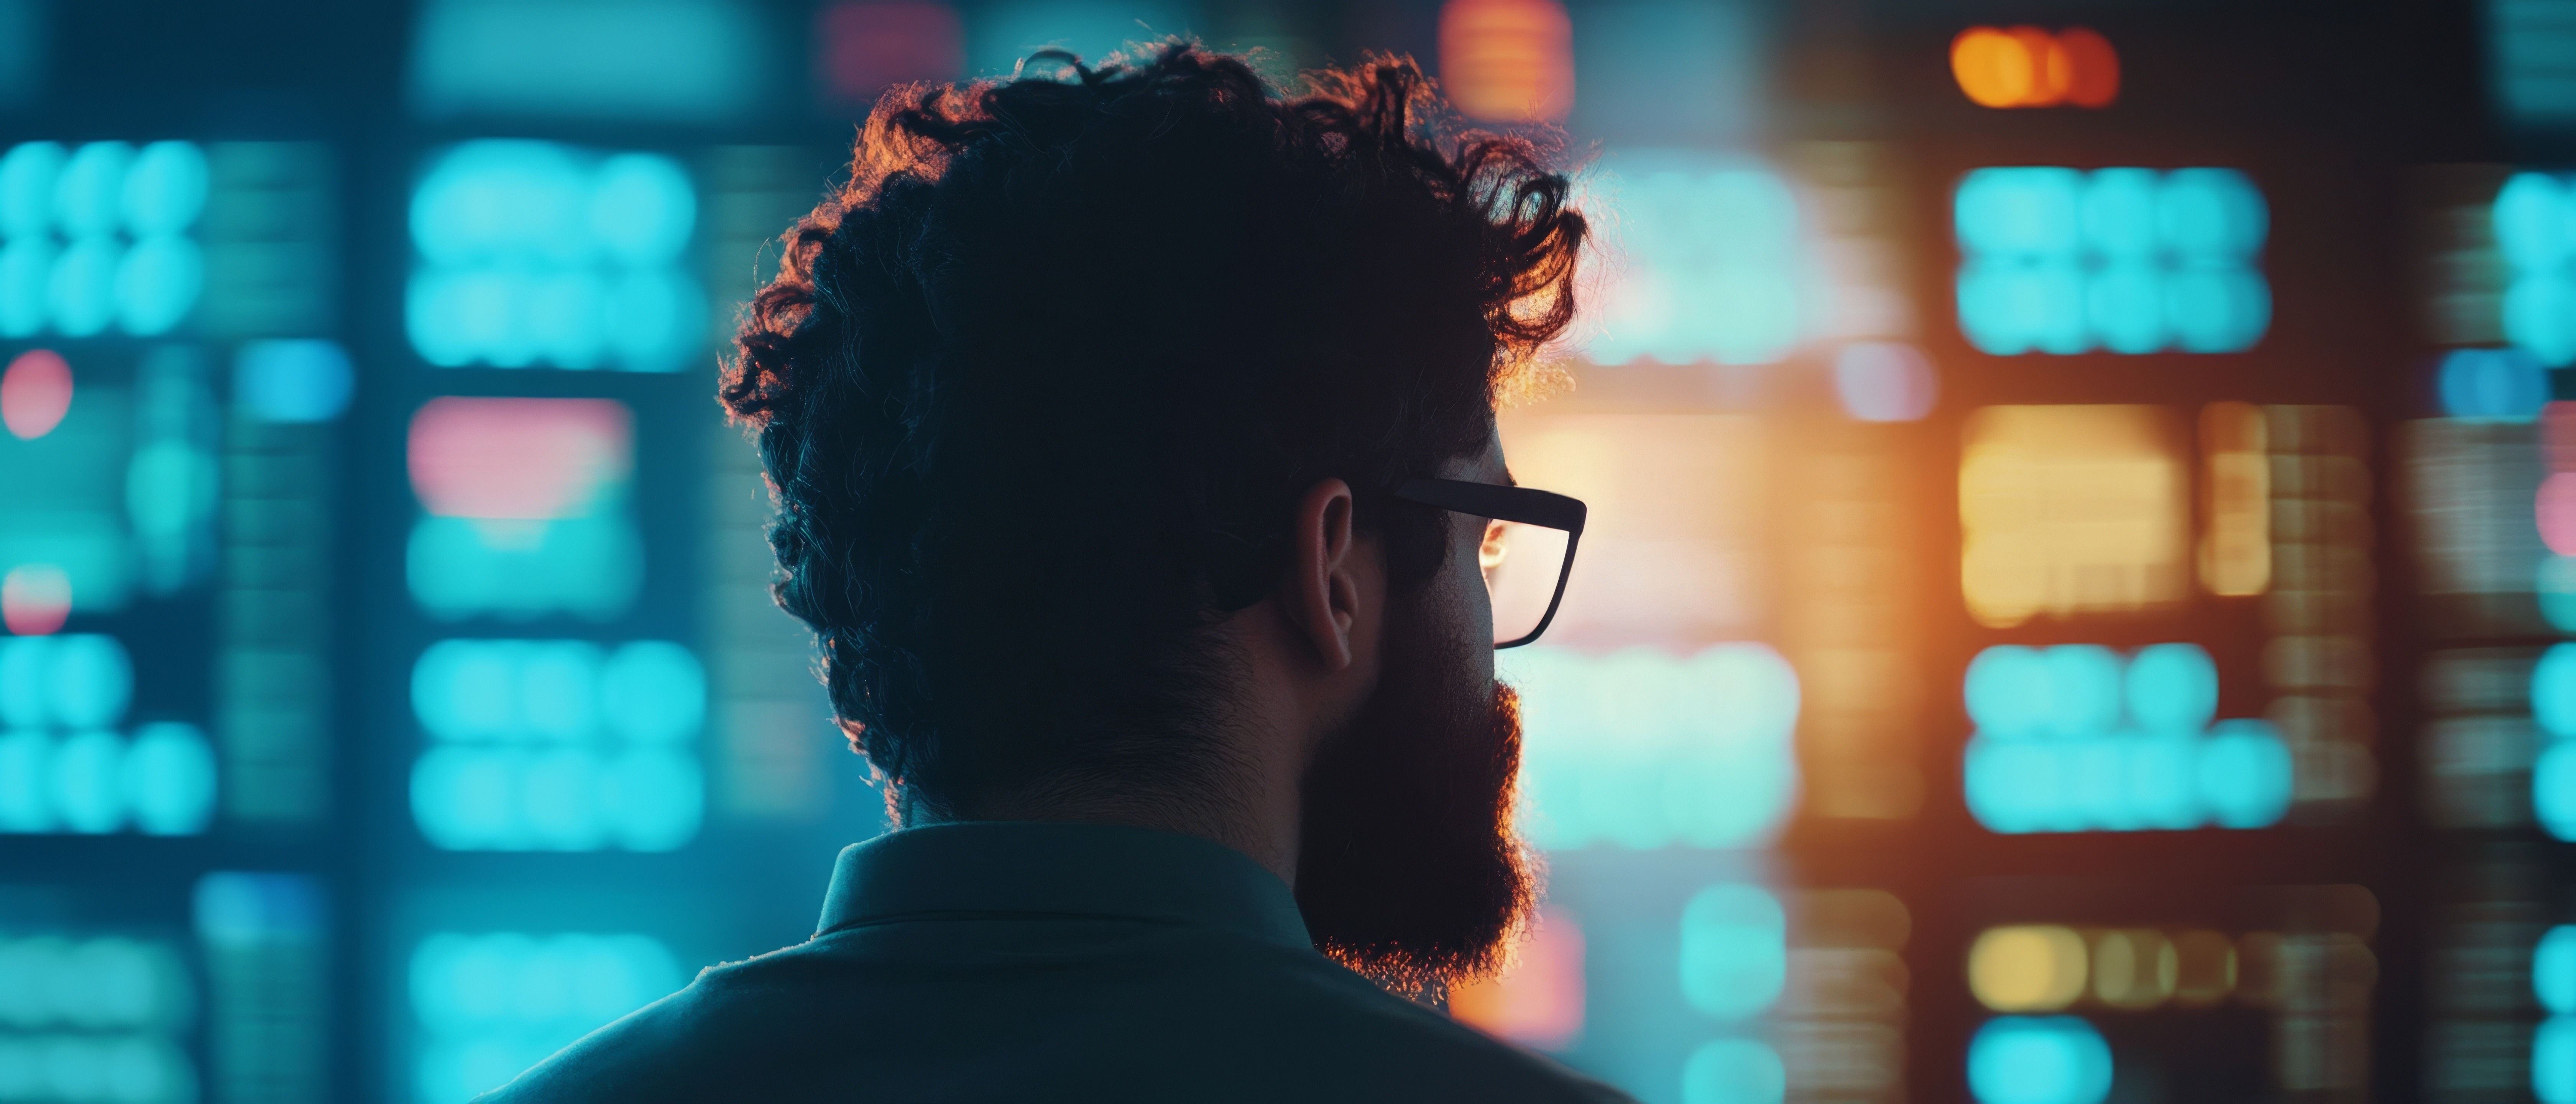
(1038, 388)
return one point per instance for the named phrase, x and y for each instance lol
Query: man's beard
(1408, 870)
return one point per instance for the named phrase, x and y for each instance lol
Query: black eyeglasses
(1528, 551)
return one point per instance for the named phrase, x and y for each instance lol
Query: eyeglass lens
(1521, 565)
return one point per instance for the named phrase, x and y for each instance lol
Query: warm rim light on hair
(2029, 67)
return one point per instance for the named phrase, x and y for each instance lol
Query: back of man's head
(1039, 387)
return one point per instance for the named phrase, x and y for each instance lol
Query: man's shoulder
(681, 1047)
(1400, 1044)
(1283, 1026)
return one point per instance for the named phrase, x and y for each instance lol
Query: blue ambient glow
(2039, 1060)
(1734, 1071)
(98, 236)
(2553, 709)
(586, 566)
(536, 253)
(558, 745)
(80, 680)
(2553, 788)
(2501, 385)
(1704, 264)
(561, 799)
(487, 1006)
(236, 908)
(534, 691)
(1734, 951)
(2553, 1060)
(292, 380)
(2127, 260)
(92, 781)
(95, 983)
(696, 61)
(2553, 970)
(2532, 233)
(2553, 691)
(1643, 749)
(2076, 738)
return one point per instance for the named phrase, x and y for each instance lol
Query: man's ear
(1322, 595)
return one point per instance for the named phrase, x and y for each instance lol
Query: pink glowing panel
(1884, 381)
(35, 393)
(529, 459)
(1537, 998)
(2558, 436)
(871, 45)
(35, 599)
(2555, 512)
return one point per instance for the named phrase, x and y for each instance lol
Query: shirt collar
(1062, 869)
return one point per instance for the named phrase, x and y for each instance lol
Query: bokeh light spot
(532, 252)
(1734, 1071)
(1992, 67)
(2505, 385)
(2039, 1060)
(2030, 67)
(293, 380)
(1884, 381)
(2030, 968)
(1507, 60)
(2136, 261)
(35, 599)
(1734, 951)
(2553, 970)
(35, 393)
(1536, 999)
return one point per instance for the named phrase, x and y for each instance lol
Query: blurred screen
(2078, 603)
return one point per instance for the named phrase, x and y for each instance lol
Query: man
(1132, 433)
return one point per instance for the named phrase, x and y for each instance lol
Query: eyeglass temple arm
(1526, 505)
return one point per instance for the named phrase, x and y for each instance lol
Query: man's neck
(1237, 815)
(1247, 788)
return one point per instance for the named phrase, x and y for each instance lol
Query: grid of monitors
(2489, 498)
(1976, 684)
(165, 551)
(541, 254)
(552, 706)
(100, 237)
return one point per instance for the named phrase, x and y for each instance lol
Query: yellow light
(2027, 968)
(2236, 473)
(2134, 968)
(2070, 509)
(1671, 554)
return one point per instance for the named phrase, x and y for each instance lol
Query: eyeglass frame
(1518, 505)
